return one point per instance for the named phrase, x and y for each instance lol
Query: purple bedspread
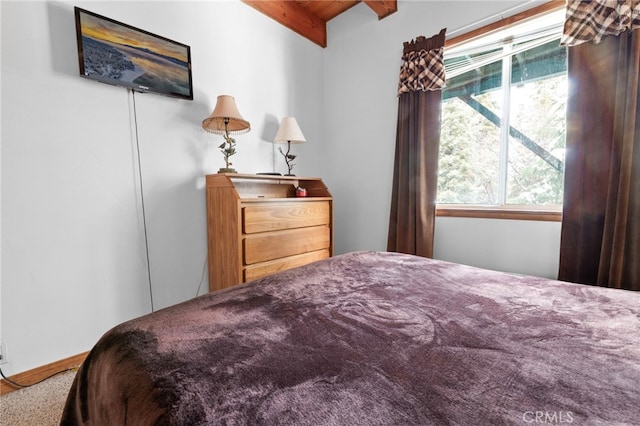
(372, 339)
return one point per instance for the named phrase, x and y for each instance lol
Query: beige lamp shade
(226, 109)
(289, 131)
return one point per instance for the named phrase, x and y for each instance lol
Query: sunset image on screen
(114, 51)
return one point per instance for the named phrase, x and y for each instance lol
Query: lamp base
(227, 170)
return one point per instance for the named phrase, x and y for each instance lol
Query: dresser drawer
(279, 244)
(277, 216)
(253, 272)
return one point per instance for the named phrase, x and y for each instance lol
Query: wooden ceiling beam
(295, 17)
(382, 8)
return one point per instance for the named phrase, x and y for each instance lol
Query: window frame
(514, 212)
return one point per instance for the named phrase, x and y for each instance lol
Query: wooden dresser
(257, 226)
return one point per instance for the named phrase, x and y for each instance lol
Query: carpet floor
(38, 405)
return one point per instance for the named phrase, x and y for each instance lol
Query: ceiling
(309, 17)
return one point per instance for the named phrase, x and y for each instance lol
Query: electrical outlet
(3, 353)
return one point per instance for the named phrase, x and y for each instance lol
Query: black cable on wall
(144, 215)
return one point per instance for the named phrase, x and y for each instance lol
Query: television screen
(119, 54)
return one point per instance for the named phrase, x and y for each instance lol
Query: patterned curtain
(592, 20)
(600, 237)
(412, 216)
(422, 64)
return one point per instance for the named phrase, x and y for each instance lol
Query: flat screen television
(115, 53)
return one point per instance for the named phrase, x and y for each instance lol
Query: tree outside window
(491, 155)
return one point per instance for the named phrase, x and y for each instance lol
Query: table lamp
(226, 120)
(289, 132)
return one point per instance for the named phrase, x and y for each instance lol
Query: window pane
(537, 119)
(469, 164)
(470, 142)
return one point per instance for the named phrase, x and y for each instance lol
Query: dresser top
(248, 186)
(263, 177)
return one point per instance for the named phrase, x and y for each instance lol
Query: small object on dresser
(301, 192)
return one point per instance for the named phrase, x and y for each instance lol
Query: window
(503, 118)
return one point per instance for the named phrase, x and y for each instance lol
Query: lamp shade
(226, 109)
(289, 131)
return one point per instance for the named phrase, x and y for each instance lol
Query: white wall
(362, 64)
(73, 258)
(520, 246)
(73, 249)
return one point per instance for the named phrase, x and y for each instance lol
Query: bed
(372, 338)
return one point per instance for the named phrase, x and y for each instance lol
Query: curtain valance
(422, 66)
(590, 21)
